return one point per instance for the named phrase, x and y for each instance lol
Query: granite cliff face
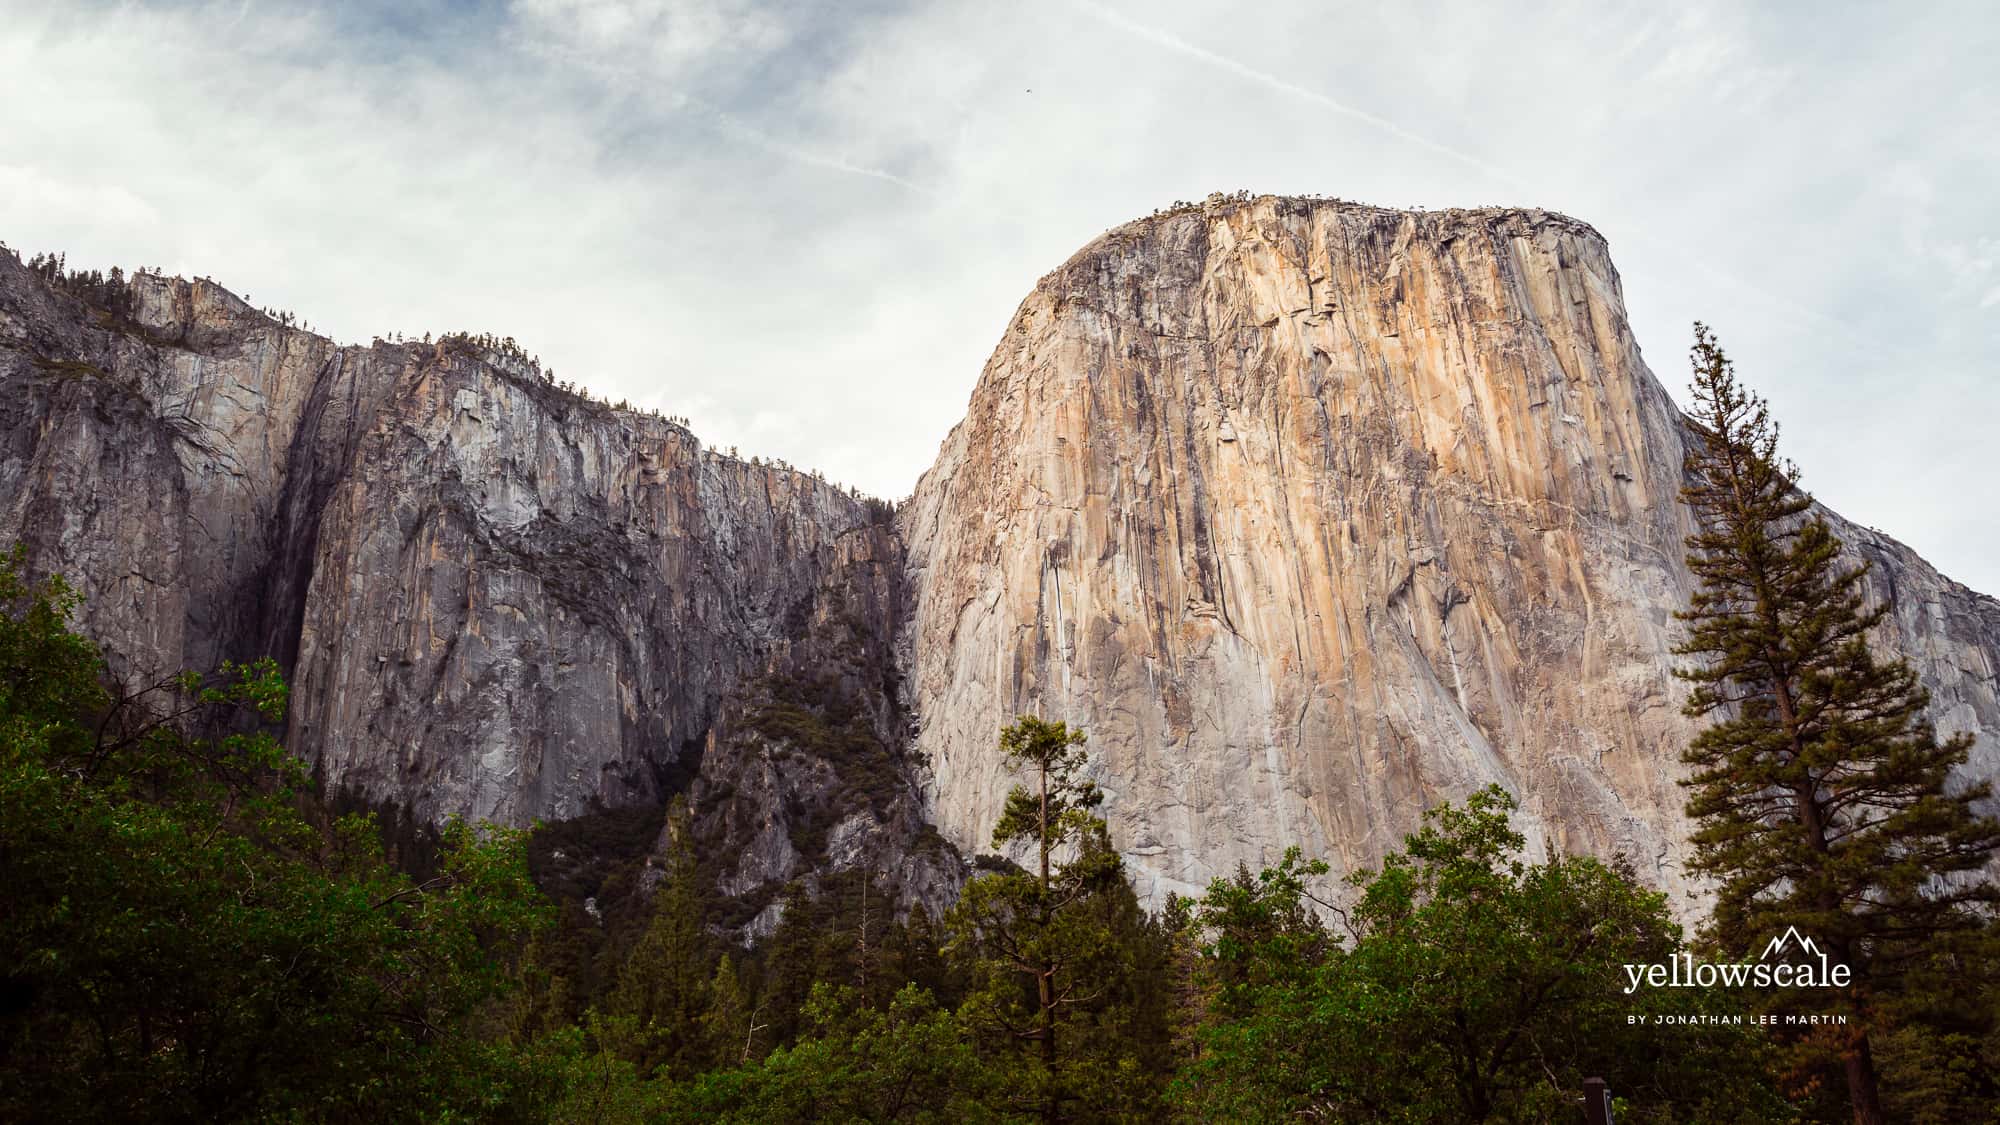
(1313, 514)
(492, 597)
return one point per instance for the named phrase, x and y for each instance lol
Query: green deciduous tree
(1477, 988)
(729, 1022)
(185, 937)
(1822, 792)
(911, 1061)
(1260, 932)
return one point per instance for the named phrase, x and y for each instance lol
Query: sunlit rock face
(1312, 514)
(1315, 514)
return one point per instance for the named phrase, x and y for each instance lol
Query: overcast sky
(805, 225)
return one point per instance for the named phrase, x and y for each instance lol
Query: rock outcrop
(493, 597)
(1312, 514)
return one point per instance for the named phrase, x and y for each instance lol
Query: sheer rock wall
(492, 598)
(1314, 514)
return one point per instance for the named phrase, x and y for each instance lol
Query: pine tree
(655, 1010)
(728, 1019)
(793, 958)
(1820, 787)
(1043, 955)
(912, 953)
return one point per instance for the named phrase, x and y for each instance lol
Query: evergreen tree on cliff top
(1820, 787)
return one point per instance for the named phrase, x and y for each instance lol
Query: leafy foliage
(909, 1062)
(183, 940)
(1477, 988)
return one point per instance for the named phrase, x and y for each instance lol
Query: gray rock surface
(1315, 514)
(493, 598)
(1312, 514)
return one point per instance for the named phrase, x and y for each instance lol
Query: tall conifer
(656, 1008)
(1822, 792)
(1043, 959)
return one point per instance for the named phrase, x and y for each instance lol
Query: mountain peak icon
(1791, 937)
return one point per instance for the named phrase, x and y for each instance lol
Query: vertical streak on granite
(1314, 514)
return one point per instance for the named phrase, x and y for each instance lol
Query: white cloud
(666, 34)
(33, 191)
(806, 226)
(1293, 89)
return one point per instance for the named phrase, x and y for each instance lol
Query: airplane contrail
(644, 83)
(1175, 43)
(743, 131)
